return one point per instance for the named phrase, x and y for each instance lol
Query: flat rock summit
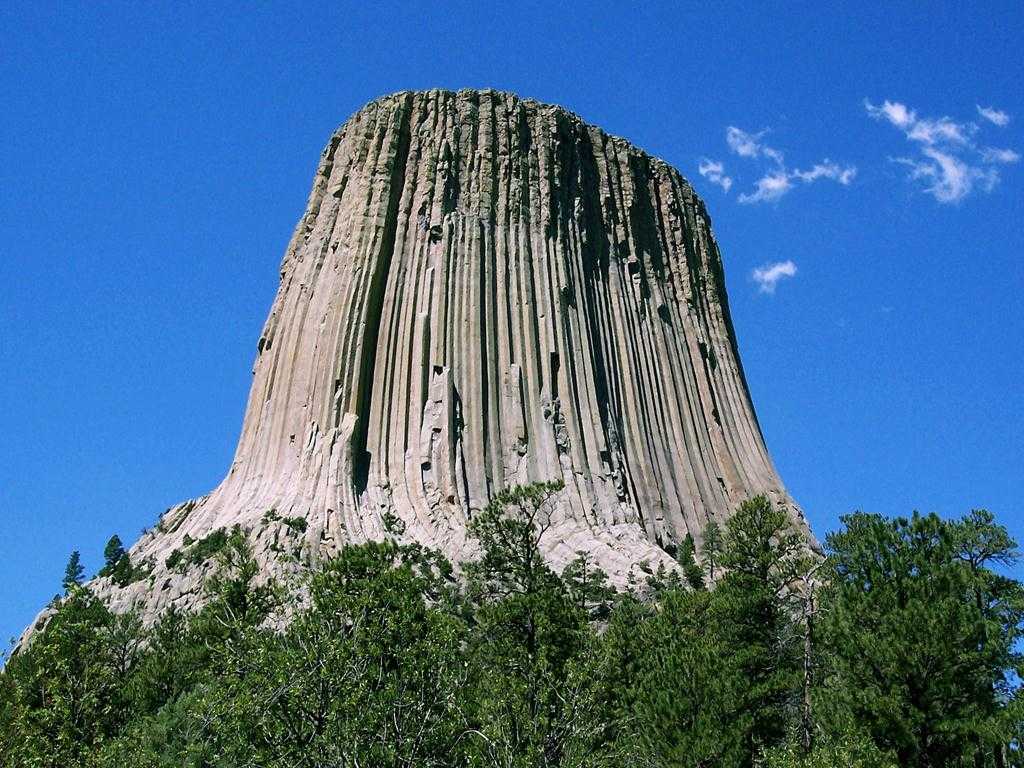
(483, 291)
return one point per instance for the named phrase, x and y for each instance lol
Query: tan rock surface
(483, 291)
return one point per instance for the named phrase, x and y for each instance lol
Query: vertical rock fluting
(485, 291)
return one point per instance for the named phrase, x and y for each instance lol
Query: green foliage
(73, 572)
(208, 546)
(753, 608)
(271, 516)
(197, 552)
(717, 669)
(686, 556)
(688, 687)
(382, 656)
(919, 635)
(297, 524)
(174, 559)
(509, 531)
(112, 554)
(175, 658)
(588, 588)
(711, 550)
(118, 564)
(63, 696)
(845, 751)
(528, 645)
(367, 675)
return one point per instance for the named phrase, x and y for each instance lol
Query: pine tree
(117, 564)
(711, 549)
(531, 652)
(920, 635)
(388, 659)
(755, 610)
(73, 572)
(687, 559)
(112, 554)
(368, 673)
(719, 666)
(588, 587)
(684, 682)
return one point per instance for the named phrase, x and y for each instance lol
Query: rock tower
(483, 291)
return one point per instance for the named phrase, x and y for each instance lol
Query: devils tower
(483, 291)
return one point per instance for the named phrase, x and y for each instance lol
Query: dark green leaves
(903, 650)
(73, 572)
(919, 635)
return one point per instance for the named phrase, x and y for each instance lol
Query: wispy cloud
(994, 155)
(893, 111)
(714, 171)
(742, 143)
(749, 144)
(949, 178)
(929, 131)
(993, 115)
(778, 179)
(768, 188)
(950, 164)
(769, 275)
(827, 170)
(776, 183)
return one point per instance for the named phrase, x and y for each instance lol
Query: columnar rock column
(485, 291)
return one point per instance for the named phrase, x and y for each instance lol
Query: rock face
(483, 291)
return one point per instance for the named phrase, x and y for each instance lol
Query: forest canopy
(898, 648)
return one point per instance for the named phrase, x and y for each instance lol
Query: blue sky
(153, 162)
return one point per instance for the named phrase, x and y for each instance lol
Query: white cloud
(940, 131)
(893, 111)
(924, 130)
(993, 115)
(714, 171)
(742, 143)
(774, 184)
(994, 155)
(827, 170)
(772, 154)
(749, 144)
(948, 162)
(779, 180)
(768, 276)
(768, 188)
(949, 179)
